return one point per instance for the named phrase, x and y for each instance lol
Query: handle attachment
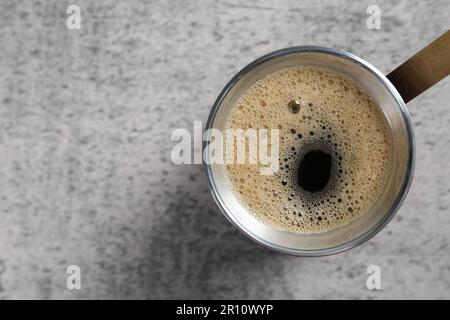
(424, 69)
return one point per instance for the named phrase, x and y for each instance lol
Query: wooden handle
(424, 69)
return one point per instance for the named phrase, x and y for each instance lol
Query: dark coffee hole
(314, 170)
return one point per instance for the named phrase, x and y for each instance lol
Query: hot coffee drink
(334, 150)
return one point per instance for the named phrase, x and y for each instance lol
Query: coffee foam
(335, 116)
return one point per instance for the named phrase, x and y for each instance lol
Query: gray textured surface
(85, 171)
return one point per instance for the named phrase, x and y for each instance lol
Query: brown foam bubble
(336, 117)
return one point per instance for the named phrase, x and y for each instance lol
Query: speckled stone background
(86, 178)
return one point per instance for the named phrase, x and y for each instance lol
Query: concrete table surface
(86, 179)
